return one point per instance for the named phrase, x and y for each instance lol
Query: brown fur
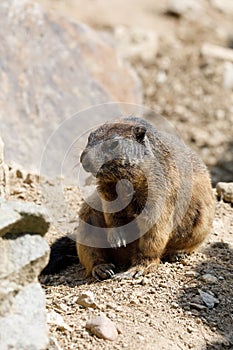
(158, 241)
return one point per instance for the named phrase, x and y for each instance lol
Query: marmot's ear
(91, 137)
(139, 132)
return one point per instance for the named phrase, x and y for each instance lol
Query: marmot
(154, 198)
(171, 207)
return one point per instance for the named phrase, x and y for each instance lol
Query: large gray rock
(22, 301)
(24, 253)
(20, 217)
(23, 258)
(23, 322)
(52, 68)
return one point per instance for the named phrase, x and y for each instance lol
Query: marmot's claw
(132, 273)
(177, 257)
(116, 238)
(123, 275)
(103, 271)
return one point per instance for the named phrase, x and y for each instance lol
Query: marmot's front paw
(116, 237)
(103, 271)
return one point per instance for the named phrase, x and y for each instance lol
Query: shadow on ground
(219, 319)
(72, 276)
(63, 267)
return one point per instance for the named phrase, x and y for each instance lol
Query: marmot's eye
(139, 132)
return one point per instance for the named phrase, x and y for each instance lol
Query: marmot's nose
(109, 145)
(86, 162)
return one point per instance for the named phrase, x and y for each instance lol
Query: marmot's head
(117, 149)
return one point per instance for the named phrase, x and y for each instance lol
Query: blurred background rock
(60, 57)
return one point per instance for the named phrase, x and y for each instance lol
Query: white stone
(56, 319)
(218, 52)
(161, 77)
(228, 76)
(225, 191)
(23, 258)
(86, 299)
(24, 326)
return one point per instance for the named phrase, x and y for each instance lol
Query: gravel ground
(162, 310)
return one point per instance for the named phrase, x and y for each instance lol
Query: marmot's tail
(63, 254)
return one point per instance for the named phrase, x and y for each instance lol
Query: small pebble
(190, 329)
(208, 278)
(102, 327)
(197, 306)
(209, 300)
(53, 344)
(225, 191)
(174, 305)
(86, 299)
(228, 76)
(163, 285)
(191, 273)
(145, 281)
(55, 319)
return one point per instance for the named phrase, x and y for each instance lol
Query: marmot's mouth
(114, 170)
(105, 170)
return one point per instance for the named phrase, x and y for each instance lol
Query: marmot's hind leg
(96, 262)
(94, 259)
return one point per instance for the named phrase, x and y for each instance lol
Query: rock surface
(52, 69)
(19, 217)
(23, 321)
(225, 191)
(23, 256)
